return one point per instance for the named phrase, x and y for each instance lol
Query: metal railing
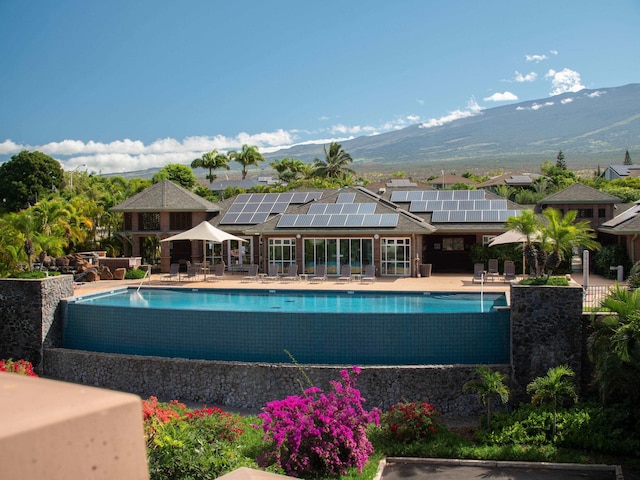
(593, 295)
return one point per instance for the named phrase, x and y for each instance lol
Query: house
(591, 204)
(444, 181)
(395, 232)
(617, 172)
(624, 229)
(160, 211)
(522, 180)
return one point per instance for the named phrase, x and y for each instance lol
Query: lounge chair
(320, 275)
(492, 271)
(174, 272)
(478, 272)
(252, 274)
(292, 273)
(273, 272)
(192, 272)
(218, 271)
(509, 270)
(369, 274)
(345, 273)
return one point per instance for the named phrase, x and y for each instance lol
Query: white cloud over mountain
(501, 97)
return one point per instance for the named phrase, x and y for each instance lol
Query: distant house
(591, 204)
(617, 172)
(246, 184)
(519, 180)
(445, 181)
(625, 229)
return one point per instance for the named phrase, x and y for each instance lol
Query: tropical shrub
(554, 281)
(410, 421)
(190, 443)
(319, 434)
(610, 256)
(135, 274)
(21, 367)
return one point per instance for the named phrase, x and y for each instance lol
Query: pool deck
(434, 283)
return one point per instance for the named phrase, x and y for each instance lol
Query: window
(585, 213)
(453, 244)
(149, 221)
(335, 252)
(180, 221)
(128, 221)
(602, 212)
(396, 256)
(282, 252)
(486, 239)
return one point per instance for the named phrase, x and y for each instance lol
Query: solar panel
(445, 194)
(457, 216)
(476, 194)
(287, 220)
(346, 198)
(434, 205)
(259, 217)
(280, 206)
(466, 204)
(461, 194)
(243, 198)
(321, 220)
(498, 204)
(333, 208)
(450, 205)
(350, 208)
(473, 216)
(366, 208)
(285, 197)
(235, 208)
(440, 216)
(416, 195)
(265, 207)
(299, 197)
(229, 218)
(317, 208)
(418, 206)
(304, 220)
(389, 219)
(430, 195)
(490, 216)
(354, 220)
(244, 218)
(623, 217)
(482, 205)
(399, 197)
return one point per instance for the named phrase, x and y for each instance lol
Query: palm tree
(614, 346)
(527, 224)
(564, 233)
(334, 164)
(490, 384)
(213, 161)
(248, 156)
(553, 386)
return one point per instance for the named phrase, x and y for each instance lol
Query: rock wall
(249, 386)
(30, 317)
(546, 331)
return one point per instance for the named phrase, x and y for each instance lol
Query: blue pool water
(292, 301)
(333, 328)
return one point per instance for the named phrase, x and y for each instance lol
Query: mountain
(590, 127)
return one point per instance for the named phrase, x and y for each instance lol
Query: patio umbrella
(513, 236)
(205, 232)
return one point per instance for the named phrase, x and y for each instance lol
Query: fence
(593, 295)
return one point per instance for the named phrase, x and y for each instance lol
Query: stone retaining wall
(249, 386)
(30, 317)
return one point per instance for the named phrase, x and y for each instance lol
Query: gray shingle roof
(166, 196)
(578, 193)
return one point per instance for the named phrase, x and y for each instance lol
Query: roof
(406, 223)
(245, 184)
(166, 196)
(626, 222)
(449, 179)
(579, 193)
(522, 179)
(625, 170)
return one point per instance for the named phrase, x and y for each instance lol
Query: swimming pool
(334, 328)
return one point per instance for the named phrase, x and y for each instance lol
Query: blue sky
(129, 85)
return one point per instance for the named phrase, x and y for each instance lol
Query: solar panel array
(456, 206)
(337, 208)
(623, 217)
(255, 208)
(472, 216)
(352, 220)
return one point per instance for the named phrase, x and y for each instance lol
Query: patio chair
(492, 271)
(478, 272)
(320, 275)
(218, 271)
(345, 273)
(174, 272)
(252, 274)
(273, 272)
(292, 273)
(192, 272)
(509, 270)
(369, 274)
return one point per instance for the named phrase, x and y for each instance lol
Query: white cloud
(529, 77)
(566, 80)
(596, 94)
(553, 52)
(564, 101)
(9, 147)
(535, 106)
(501, 97)
(472, 109)
(535, 58)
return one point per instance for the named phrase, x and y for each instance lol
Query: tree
(177, 173)
(614, 347)
(560, 163)
(288, 168)
(248, 156)
(213, 161)
(627, 158)
(27, 177)
(334, 164)
(528, 225)
(564, 233)
(553, 386)
(489, 384)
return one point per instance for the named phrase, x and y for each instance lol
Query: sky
(126, 85)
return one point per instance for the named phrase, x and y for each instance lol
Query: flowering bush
(318, 434)
(21, 367)
(407, 422)
(190, 443)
